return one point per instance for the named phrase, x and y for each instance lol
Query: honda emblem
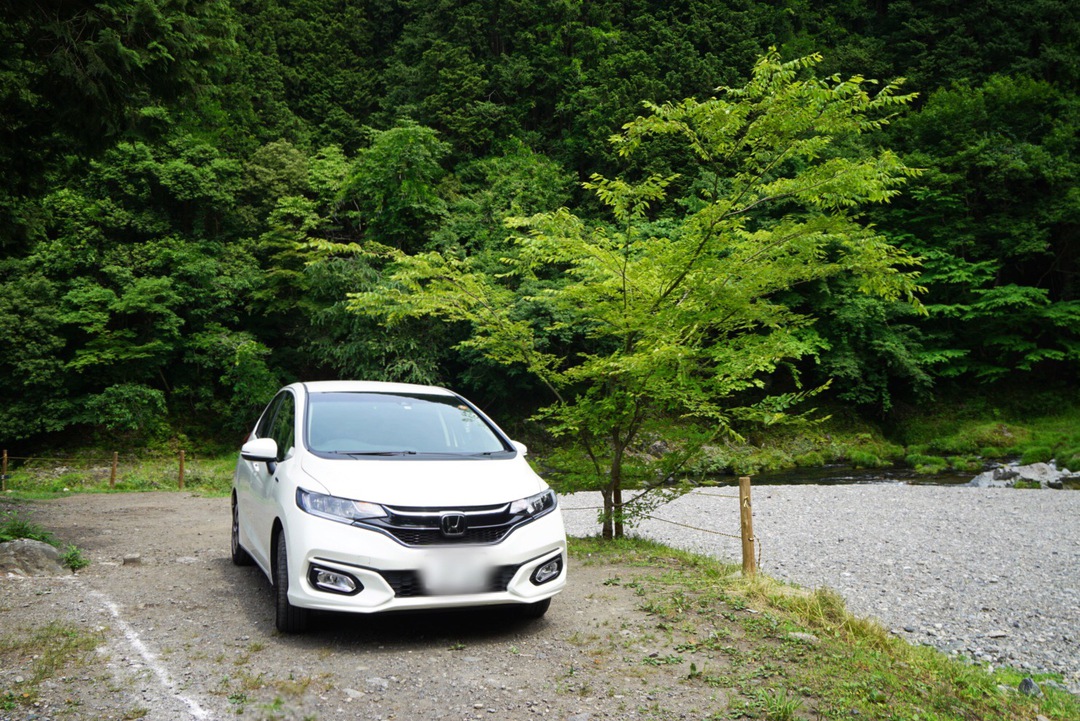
(452, 525)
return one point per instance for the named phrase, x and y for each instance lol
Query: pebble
(953, 566)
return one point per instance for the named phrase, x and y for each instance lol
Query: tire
(240, 557)
(535, 610)
(288, 618)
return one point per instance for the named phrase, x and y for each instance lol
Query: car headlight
(534, 505)
(333, 508)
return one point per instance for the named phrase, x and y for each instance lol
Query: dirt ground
(187, 635)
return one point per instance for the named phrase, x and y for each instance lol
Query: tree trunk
(608, 514)
(616, 488)
(617, 507)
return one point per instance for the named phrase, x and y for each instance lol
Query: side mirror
(260, 449)
(521, 447)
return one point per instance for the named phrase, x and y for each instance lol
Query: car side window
(266, 423)
(284, 428)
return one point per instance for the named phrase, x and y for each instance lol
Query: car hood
(425, 482)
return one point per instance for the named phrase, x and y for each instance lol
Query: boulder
(1047, 475)
(1038, 472)
(26, 557)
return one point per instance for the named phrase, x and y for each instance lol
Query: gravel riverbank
(991, 574)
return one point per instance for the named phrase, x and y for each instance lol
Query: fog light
(548, 571)
(334, 581)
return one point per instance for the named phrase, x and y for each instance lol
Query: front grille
(407, 584)
(484, 525)
(431, 537)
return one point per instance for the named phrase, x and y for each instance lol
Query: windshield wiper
(374, 453)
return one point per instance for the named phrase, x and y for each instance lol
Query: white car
(365, 497)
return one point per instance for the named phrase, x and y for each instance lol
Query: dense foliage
(185, 182)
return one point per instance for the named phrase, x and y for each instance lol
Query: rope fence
(750, 563)
(182, 465)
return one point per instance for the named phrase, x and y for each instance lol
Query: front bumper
(393, 576)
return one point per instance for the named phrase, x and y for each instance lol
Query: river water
(840, 475)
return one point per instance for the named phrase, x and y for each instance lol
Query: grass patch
(1016, 431)
(734, 633)
(40, 654)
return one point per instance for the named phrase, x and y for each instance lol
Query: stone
(27, 557)
(1036, 471)
(133, 559)
(808, 638)
(1003, 473)
(1028, 687)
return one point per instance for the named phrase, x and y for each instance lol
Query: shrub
(810, 460)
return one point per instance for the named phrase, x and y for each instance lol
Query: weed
(13, 527)
(72, 558)
(671, 660)
(777, 705)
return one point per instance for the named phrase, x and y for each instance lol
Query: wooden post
(181, 470)
(112, 473)
(749, 564)
(3, 473)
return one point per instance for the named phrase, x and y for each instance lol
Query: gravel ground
(187, 636)
(991, 574)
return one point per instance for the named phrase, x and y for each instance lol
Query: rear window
(393, 424)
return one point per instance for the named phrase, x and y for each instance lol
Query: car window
(283, 430)
(405, 423)
(266, 422)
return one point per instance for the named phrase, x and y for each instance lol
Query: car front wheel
(289, 618)
(535, 610)
(240, 557)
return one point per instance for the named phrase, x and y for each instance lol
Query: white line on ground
(150, 658)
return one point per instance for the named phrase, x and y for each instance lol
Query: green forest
(634, 221)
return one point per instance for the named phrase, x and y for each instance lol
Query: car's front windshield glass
(397, 424)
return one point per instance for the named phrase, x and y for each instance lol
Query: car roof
(371, 387)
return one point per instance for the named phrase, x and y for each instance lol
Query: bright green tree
(679, 316)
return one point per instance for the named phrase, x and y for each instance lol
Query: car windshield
(397, 424)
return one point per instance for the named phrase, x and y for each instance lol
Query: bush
(1038, 454)
(812, 459)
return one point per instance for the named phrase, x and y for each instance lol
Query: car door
(266, 485)
(252, 479)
